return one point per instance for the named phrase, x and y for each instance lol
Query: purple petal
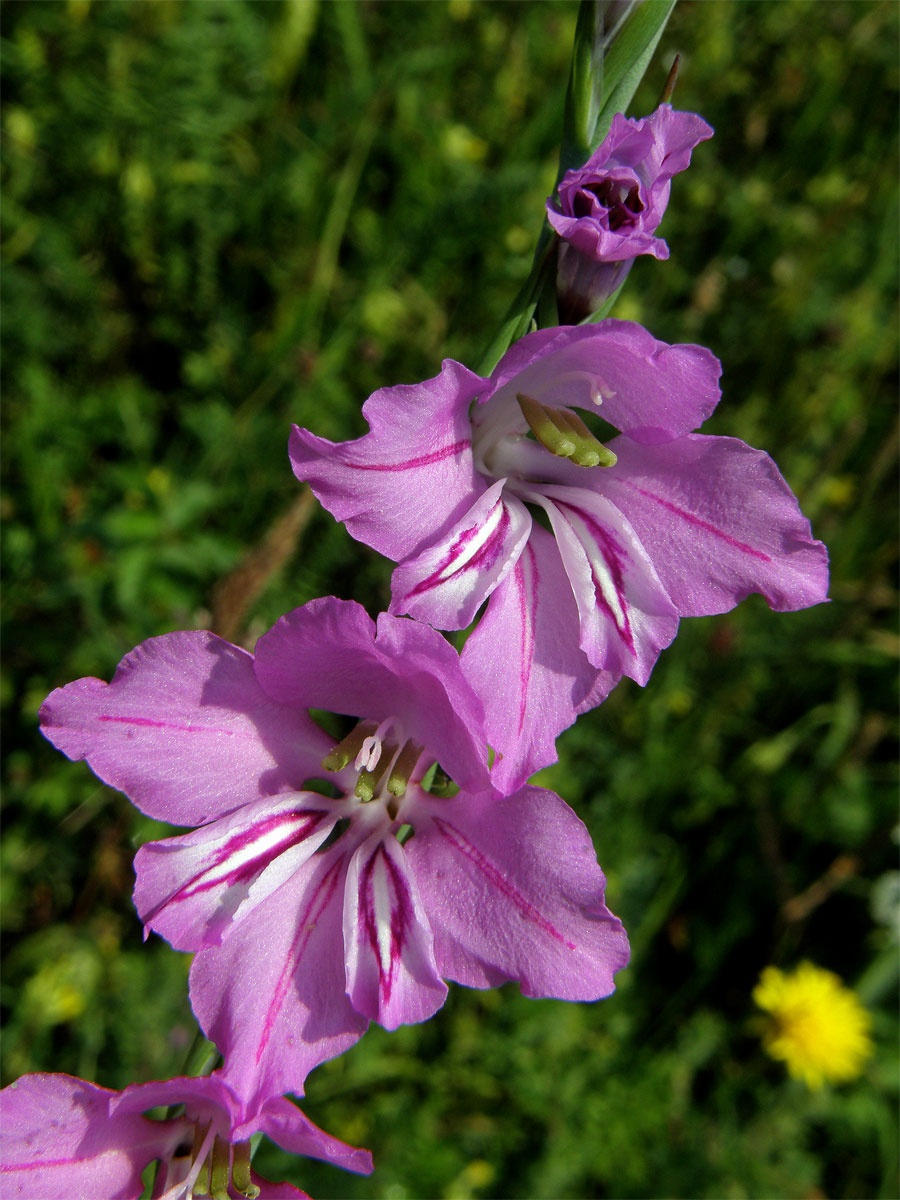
(447, 583)
(719, 522)
(599, 244)
(184, 730)
(391, 973)
(206, 1097)
(191, 889)
(287, 1126)
(676, 134)
(411, 474)
(513, 891)
(331, 655)
(213, 1098)
(523, 659)
(277, 1191)
(648, 389)
(271, 996)
(626, 617)
(59, 1140)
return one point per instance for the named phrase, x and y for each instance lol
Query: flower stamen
(403, 768)
(240, 1171)
(382, 765)
(564, 434)
(220, 1169)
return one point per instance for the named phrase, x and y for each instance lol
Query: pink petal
(677, 135)
(207, 1095)
(513, 891)
(58, 1140)
(523, 659)
(184, 730)
(191, 889)
(271, 996)
(391, 973)
(719, 522)
(289, 1128)
(410, 475)
(625, 615)
(277, 1191)
(648, 389)
(331, 655)
(213, 1098)
(447, 583)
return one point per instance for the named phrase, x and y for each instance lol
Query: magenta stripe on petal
(424, 460)
(296, 828)
(401, 915)
(498, 880)
(526, 581)
(483, 558)
(614, 557)
(43, 1164)
(168, 725)
(699, 522)
(306, 922)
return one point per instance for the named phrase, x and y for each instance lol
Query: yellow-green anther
(369, 781)
(589, 452)
(365, 786)
(221, 1169)
(345, 751)
(564, 434)
(545, 429)
(201, 1183)
(403, 768)
(240, 1171)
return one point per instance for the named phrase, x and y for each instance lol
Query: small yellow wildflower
(816, 1026)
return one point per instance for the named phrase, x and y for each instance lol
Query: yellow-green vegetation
(226, 216)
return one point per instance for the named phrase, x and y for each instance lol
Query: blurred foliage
(223, 217)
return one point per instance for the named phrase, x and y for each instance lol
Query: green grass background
(222, 217)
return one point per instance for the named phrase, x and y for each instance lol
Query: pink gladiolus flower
(62, 1137)
(608, 210)
(449, 480)
(308, 914)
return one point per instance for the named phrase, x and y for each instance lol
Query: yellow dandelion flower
(816, 1026)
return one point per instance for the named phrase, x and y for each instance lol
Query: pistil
(564, 434)
(370, 750)
(383, 766)
(370, 781)
(216, 1166)
(349, 747)
(201, 1144)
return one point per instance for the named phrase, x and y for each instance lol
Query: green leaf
(580, 114)
(626, 59)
